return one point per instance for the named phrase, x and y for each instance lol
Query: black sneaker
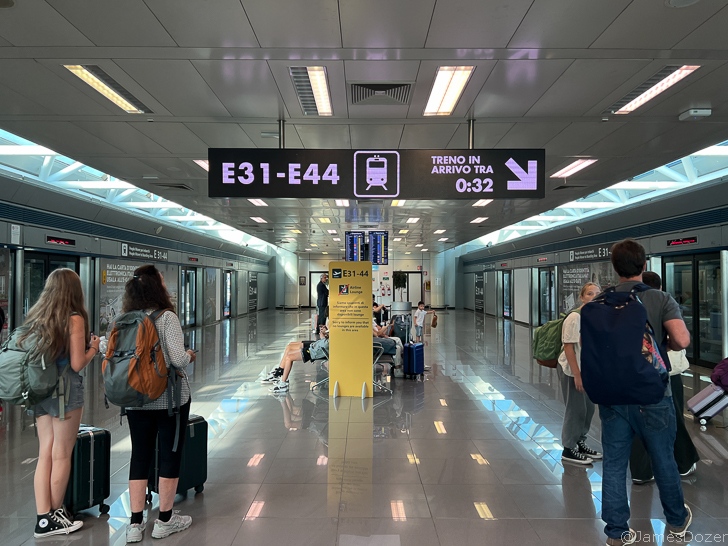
(589, 452)
(55, 523)
(575, 457)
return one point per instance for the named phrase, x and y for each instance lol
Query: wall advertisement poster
(479, 293)
(573, 276)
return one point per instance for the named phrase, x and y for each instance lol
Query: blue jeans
(655, 425)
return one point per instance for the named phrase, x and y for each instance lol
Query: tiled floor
(304, 469)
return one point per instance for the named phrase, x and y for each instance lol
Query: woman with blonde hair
(60, 322)
(579, 409)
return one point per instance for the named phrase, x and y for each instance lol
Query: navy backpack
(620, 359)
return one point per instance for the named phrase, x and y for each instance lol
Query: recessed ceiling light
(342, 202)
(478, 220)
(337, 238)
(325, 220)
(258, 202)
(296, 231)
(675, 75)
(443, 239)
(342, 249)
(574, 168)
(482, 202)
(309, 249)
(439, 231)
(449, 84)
(203, 163)
(108, 87)
(397, 239)
(399, 202)
(402, 231)
(423, 250)
(312, 90)
(412, 220)
(408, 253)
(332, 231)
(291, 238)
(324, 253)
(314, 244)
(258, 219)
(419, 245)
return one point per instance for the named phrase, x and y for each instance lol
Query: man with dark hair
(655, 424)
(322, 301)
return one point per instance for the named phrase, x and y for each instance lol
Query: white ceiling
(215, 74)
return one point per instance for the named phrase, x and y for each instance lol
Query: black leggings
(143, 428)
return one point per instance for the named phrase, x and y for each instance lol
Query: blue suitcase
(414, 359)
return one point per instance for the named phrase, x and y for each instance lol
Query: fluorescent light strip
(424, 250)
(317, 76)
(203, 163)
(443, 402)
(482, 202)
(325, 220)
(338, 239)
(478, 457)
(314, 244)
(397, 239)
(439, 231)
(83, 73)
(399, 202)
(478, 220)
(659, 87)
(398, 511)
(443, 239)
(255, 459)
(309, 249)
(412, 220)
(323, 460)
(342, 202)
(403, 231)
(449, 84)
(483, 510)
(298, 231)
(440, 427)
(574, 168)
(324, 253)
(258, 202)
(412, 458)
(408, 253)
(419, 245)
(332, 231)
(255, 509)
(258, 219)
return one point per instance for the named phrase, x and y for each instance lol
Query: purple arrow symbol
(526, 180)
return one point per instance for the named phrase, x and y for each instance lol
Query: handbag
(434, 321)
(678, 361)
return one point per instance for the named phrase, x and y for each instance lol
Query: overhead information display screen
(379, 247)
(354, 246)
(254, 173)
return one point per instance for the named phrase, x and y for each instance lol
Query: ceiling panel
(175, 137)
(175, 84)
(221, 135)
(292, 23)
(514, 86)
(254, 130)
(577, 137)
(574, 93)
(709, 35)
(385, 24)
(4, 43)
(650, 24)
(126, 168)
(565, 23)
(114, 23)
(487, 135)
(337, 85)
(625, 139)
(221, 23)
(324, 136)
(226, 78)
(468, 24)
(531, 135)
(707, 91)
(376, 137)
(427, 137)
(61, 136)
(35, 82)
(683, 139)
(381, 71)
(122, 136)
(13, 103)
(369, 111)
(183, 170)
(35, 23)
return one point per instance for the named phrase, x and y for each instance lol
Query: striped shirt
(173, 347)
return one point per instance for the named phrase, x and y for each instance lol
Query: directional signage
(381, 174)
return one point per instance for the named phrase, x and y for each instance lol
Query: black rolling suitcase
(193, 469)
(89, 482)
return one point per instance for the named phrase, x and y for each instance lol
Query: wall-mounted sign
(253, 292)
(591, 253)
(60, 241)
(14, 234)
(388, 174)
(542, 260)
(302, 281)
(230, 264)
(488, 266)
(143, 252)
(479, 293)
(683, 241)
(191, 259)
(504, 264)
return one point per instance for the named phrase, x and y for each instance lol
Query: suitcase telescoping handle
(90, 432)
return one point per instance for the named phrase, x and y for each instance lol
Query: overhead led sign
(61, 241)
(683, 241)
(382, 174)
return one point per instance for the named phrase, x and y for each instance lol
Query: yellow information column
(350, 327)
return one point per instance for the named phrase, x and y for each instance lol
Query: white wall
(286, 279)
(469, 290)
(490, 292)
(521, 295)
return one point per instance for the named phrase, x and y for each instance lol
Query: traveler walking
(322, 302)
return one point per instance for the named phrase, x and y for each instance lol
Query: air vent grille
(629, 97)
(302, 83)
(116, 86)
(381, 93)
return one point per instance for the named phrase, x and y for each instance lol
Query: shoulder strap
(158, 313)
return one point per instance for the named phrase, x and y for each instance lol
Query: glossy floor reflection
(471, 455)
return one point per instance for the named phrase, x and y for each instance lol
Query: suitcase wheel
(104, 508)
(199, 489)
(703, 421)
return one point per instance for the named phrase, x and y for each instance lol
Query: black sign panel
(591, 253)
(479, 293)
(253, 292)
(379, 247)
(683, 241)
(401, 174)
(354, 246)
(143, 252)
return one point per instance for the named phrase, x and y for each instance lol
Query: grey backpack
(26, 377)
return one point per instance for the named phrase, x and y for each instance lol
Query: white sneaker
(135, 531)
(175, 524)
(691, 470)
(281, 386)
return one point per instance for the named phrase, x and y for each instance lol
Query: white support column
(724, 299)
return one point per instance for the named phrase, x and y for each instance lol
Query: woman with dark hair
(60, 321)
(147, 291)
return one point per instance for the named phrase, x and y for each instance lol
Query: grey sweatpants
(579, 412)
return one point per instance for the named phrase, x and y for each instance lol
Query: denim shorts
(418, 331)
(49, 406)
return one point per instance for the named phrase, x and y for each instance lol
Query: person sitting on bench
(297, 350)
